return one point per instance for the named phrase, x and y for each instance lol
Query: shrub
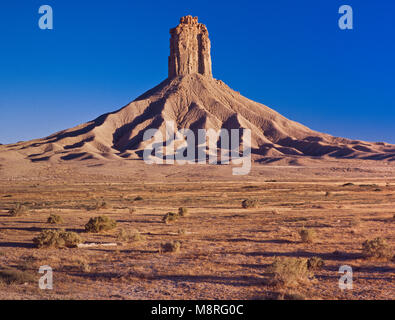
(11, 276)
(248, 203)
(315, 263)
(100, 223)
(134, 236)
(289, 271)
(307, 235)
(328, 194)
(99, 204)
(169, 217)
(54, 219)
(138, 198)
(183, 212)
(18, 210)
(132, 210)
(173, 246)
(376, 249)
(57, 239)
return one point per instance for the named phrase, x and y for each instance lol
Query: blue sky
(290, 55)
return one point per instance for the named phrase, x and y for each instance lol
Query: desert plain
(226, 250)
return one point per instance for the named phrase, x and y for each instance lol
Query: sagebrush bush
(170, 217)
(138, 198)
(315, 263)
(18, 210)
(289, 271)
(57, 239)
(99, 204)
(13, 276)
(183, 212)
(54, 219)
(376, 249)
(307, 235)
(130, 236)
(99, 224)
(172, 246)
(249, 203)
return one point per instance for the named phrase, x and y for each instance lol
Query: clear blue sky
(290, 55)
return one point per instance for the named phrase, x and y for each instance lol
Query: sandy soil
(226, 250)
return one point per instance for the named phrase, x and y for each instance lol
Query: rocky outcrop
(189, 49)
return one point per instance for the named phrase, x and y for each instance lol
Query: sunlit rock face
(189, 49)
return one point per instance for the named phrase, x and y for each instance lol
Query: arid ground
(226, 250)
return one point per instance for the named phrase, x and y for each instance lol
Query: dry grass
(288, 272)
(173, 247)
(307, 235)
(170, 217)
(18, 210)
(57, 239)
(377, 248)
(54, 219)
(224, 249)
(13, 276)
(100, 224)
(249, 203)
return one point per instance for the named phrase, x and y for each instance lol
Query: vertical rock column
(189, 49)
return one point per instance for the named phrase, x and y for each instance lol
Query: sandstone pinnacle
(189, 49)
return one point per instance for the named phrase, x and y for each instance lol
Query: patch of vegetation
(129, 236)
(183, 212)
(99, 224)
(14, 276)
(289, 271)
(18, 210)
(170, 217)
(138, 198)
(307, 235)
(348, 184)
(54, 219)
(99, 204)
(315, 263)
(132, 210)
(249, 203)
(368, 185)
(172, 246)
(376, 249)
(328, 194)
(57, 239)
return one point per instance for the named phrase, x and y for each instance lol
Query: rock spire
(189, 49)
